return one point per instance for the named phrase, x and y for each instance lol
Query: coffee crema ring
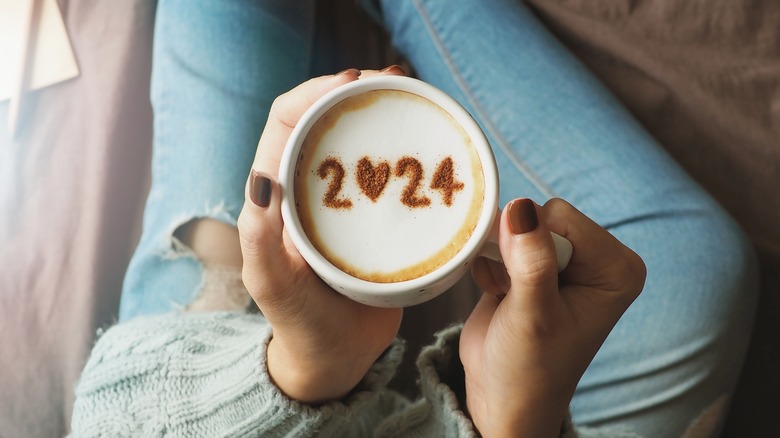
(389, 186)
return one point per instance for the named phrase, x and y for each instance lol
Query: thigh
(217, 66)
(556, 131)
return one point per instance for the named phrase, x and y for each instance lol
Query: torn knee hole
(211, 241)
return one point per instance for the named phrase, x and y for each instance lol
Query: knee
(213, 242)
(702, 272)
(717, 277)
(728, 257)
(681, 344)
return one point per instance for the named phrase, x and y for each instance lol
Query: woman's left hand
(323, 343)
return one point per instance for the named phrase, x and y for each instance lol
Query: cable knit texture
(205, 375)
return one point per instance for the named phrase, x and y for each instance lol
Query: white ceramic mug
(482, 241)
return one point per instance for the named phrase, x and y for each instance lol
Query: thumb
(260, 229)
(529, 255)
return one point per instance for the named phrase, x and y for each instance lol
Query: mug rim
(335, 277)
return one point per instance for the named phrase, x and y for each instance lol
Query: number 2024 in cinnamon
(372, 180)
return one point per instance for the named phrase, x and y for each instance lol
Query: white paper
(53, 59)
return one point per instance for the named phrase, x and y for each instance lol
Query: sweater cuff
(442, 381)
(358, 413)
(206, 375)
(437, 412)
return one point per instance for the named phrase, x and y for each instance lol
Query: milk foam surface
(384, 240)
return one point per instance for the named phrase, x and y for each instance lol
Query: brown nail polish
(522, 216)
(349, 71)
(395, 68)
(259, 189)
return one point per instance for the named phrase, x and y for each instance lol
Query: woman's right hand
(323, 343)
(533, 333)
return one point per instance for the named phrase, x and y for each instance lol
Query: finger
(285, 113)
(500, 276)
(266, 263)
(476, 328)
(485, 279)
(394, 69)
(529, 256)
(600, 260)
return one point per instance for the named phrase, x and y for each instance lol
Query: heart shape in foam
(372, 179)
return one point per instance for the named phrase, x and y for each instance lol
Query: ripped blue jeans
(555, 131)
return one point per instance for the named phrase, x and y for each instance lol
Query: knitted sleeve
(204, 375)
(438, 413)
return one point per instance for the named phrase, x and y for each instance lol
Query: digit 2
(334, 167)
(409, 196)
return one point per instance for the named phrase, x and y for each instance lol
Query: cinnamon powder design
(333, 166)
(444, 180)
(412, 167)
(372, 179)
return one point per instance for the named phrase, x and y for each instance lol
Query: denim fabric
(217, 66)
(555, 131)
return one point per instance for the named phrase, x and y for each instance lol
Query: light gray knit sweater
(204, 375)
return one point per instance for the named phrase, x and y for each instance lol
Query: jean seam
(531, 176)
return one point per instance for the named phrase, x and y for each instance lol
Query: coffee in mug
(390, 191)
(388, 186)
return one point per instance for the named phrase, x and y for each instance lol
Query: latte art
(372, 181)
(388, 186)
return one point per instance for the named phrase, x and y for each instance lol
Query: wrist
(543, 417)
(313, 380)
(549, 427)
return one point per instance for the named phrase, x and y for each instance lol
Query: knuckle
(266, 286)
(556, 203)
(534, 330)
(281, 110)
(267, 274)
(252, 232)
(274, 292)
(534, 269)
(558, 206)
(631, 272)
(637, 270)
(246, 225)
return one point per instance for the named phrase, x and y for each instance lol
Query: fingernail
(395, 68)
(350, 71)
(522, 216)
(259, 189)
